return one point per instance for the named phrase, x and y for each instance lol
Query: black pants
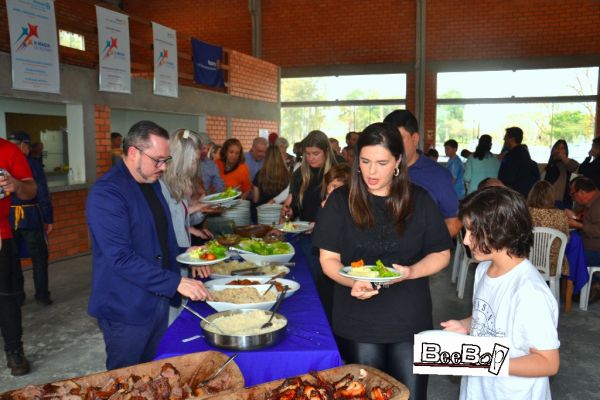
(395, 359)
(38, 251)
(10, 310)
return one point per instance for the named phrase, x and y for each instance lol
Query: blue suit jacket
(127, 277)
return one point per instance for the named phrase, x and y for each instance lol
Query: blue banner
(206, 63)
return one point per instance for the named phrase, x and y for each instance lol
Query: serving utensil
(272, 282)
(217, 372)
(201, 317)
(275, 307)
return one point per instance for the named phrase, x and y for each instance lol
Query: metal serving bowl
(247, 342)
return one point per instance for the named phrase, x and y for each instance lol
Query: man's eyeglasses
(158, 162)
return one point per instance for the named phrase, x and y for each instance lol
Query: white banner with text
(113, 51)
(165, 61)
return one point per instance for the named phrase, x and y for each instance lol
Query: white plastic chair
(465, 261)
(458, 254)
(584, 296)
(540, 255)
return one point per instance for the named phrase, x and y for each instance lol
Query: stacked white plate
(268, 214)
(239, 213)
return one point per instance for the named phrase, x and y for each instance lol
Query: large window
(548, 105)
(338, 104)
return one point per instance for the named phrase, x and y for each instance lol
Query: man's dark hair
(498, 219)
(516, 133)
(596, 141)
(349, 135)
(403, 119)
(433, 153)
(584, 184)
(451, 143)
(139, 134)
(114, 135)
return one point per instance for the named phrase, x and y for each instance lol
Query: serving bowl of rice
(241, 297)
(241, 329)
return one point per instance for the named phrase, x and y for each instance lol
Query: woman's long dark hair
(483, 147)
(398, 203)
(552, 171)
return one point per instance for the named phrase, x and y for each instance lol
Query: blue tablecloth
(308, 343)
(578, 272)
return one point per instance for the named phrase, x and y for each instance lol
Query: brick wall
(253, 78)
(103, 154)
(247, 129)
(70, 235)
(216, 127)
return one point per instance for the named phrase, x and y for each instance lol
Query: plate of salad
(294, 226)
(222, 198)
(377, 273)
(258, 251)
(211, 253)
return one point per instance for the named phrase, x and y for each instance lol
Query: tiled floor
(63, 341)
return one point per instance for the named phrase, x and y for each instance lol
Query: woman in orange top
(233, 169)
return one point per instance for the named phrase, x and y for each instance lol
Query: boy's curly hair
(498, 219)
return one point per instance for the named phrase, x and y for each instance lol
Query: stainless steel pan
(246, 342)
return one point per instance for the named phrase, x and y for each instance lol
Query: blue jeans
(127, 344)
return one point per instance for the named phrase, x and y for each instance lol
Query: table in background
(307, 345)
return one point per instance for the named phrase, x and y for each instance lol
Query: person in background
(298, 151)
(307, 191)
(426, 173)
(587, 196)
(134, 272)
(256, 156)
(338, 176)
(37, 152)
(215, 152)
(232, 168)
(348, 153)
(541, 205)
(517, 170)
(177, 186)
(15, 180)
(382, 216)
(465, 153)
(433, 154)
(351, 139)
(282, 144)
(510, 298)
(455, 167)
(590, 167)
(272, 179)
(481, 164)
(31, 222)
(490, 182)
(337, 151)
(116, 147)
(208, 171)
(558, 173)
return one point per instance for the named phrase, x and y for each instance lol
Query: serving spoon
(202, 318)
(217, 372)
(275, 307)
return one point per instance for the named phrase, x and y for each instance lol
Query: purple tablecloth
(308, 343)
(578, 272)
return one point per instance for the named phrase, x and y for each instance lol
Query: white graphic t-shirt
(519, 306)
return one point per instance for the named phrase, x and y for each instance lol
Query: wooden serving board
(374, 377)
(193, 368)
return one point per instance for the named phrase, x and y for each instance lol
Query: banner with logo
(113, 51)
(207, 58)
(33, 45)
(165, 61)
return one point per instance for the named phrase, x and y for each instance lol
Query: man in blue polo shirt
(256, 156)
(425, 172)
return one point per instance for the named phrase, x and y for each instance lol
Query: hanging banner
(113, 47)
(165, 61)
(33, 45)
(207, 58)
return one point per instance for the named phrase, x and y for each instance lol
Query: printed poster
(165, 61)
(33, 45)
(114, 55)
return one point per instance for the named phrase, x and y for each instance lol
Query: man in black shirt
(590, 167)
(517, 170)
(135, 274)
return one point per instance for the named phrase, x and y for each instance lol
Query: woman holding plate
(382, 216)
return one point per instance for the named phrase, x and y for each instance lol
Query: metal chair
(584, 296)
(540, 255)
(458, 254)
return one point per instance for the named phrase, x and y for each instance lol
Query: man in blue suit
(135, 275)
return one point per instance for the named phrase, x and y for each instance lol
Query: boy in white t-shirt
(510, 297)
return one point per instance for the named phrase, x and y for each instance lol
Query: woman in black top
(382, 216)
(307, 191)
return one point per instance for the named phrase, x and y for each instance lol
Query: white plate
(299, 226)
(226, 306)
(210, 199)
(344, 272)
(185, 258)
(280, 269)
(219, 284)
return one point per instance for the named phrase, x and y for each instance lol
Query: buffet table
(307, 345)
